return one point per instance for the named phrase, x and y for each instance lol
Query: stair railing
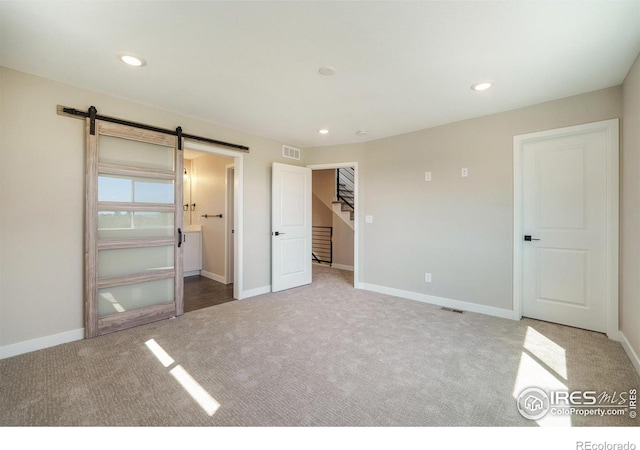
(322, 244)
(345, 186)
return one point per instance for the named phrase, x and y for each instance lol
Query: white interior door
(565, 223)
(291, 227)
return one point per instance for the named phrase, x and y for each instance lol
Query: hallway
(201, 292)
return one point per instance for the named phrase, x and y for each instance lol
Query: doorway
(566, 226)
(217, 213)
(229, 251)
(346, 242)
(207, 230)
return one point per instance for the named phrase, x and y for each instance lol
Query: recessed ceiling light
(131, 59)
(323, 131)
(327, 70)
(481, 85)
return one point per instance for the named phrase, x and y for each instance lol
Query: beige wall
(321, 215)
(186, 194)
(342, 244)
(324, 189)
(458, 229)
(42, 201)
(630, 210)
(209, 194)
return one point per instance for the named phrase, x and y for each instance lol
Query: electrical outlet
(427, 176)
(427, 277)
(465, 172)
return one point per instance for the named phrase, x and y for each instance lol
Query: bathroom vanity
(192, 250)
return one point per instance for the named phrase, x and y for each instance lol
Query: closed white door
(291, 227)
(565, 222)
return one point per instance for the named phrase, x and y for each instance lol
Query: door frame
(356, 214)
(238, 210)
(229, 256)
(611, 127)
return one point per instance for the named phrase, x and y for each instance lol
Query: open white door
(290, 227)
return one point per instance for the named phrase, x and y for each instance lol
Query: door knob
(277, 233)
(527, 237)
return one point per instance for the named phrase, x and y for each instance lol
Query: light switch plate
(368, 219)
(427, 176)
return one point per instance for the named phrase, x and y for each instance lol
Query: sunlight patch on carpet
(195, 390)
(542, 365)
(159, 353)
(550, 353)
(208, 404)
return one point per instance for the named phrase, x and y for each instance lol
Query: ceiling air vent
(290, 152)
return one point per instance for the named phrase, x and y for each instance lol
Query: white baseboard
(213, 276)
(38, 344)
(191, 274)
(633, 356)
(342, 267)
(254, 292)
(441, 301)
(616, 335)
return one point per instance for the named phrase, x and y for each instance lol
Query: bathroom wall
(208, 192)
(186, 193)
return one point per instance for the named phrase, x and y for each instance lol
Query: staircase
(345, 200)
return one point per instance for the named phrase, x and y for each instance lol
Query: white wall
(42, 201)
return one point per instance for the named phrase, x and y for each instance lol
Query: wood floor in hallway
(201, 292)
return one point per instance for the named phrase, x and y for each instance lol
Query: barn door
(133, 222)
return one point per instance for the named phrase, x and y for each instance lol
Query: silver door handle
(528, 238)
(277, 233)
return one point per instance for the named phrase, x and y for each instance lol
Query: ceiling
(400, 66)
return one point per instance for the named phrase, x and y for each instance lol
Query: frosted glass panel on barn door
(133, 222)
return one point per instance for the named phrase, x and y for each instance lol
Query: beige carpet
(320, 355)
